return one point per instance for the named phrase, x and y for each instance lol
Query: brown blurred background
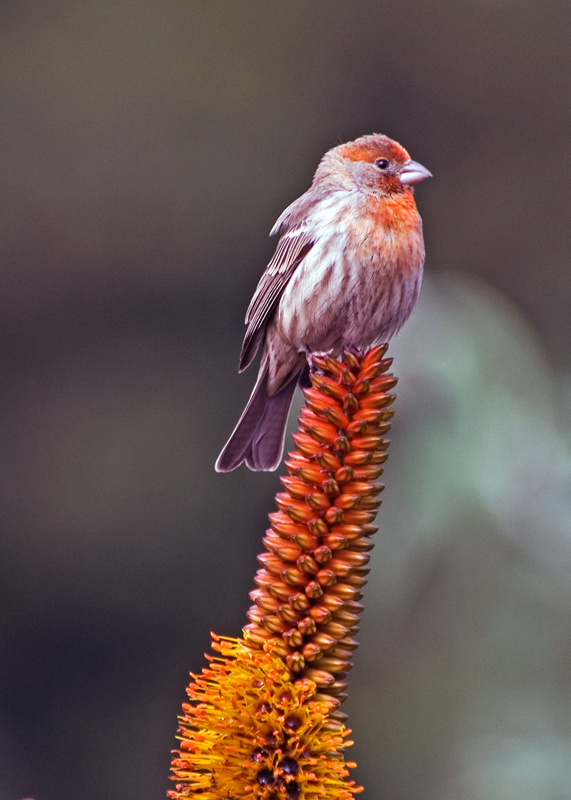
(147, 149)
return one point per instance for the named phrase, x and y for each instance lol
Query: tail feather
(268, 441)
(258, 438)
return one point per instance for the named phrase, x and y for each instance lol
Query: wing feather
(291, 250)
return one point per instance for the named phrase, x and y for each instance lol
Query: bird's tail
(258, 438)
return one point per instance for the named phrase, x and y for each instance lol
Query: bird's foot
(320, 360)
(353, 351)
(352, 357)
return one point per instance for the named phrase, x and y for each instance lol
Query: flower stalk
(264, 719)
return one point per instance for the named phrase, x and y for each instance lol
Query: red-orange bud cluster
(306, 604)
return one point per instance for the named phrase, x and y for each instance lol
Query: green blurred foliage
(463, 680)
(147, 149)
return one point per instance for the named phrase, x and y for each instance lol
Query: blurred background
(146, 150)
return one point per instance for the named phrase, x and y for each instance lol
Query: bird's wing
(291, 250)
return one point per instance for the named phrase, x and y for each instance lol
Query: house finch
(346, 274)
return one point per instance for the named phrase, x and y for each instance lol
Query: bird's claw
(316, 359)
(352, 351)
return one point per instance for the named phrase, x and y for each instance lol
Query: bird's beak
(413, 172)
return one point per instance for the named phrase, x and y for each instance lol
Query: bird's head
(374, 164)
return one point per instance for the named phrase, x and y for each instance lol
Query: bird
(346, 274)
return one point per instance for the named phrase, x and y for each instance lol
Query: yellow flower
(251, 732)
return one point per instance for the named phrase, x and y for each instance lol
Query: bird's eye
(382, 163)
